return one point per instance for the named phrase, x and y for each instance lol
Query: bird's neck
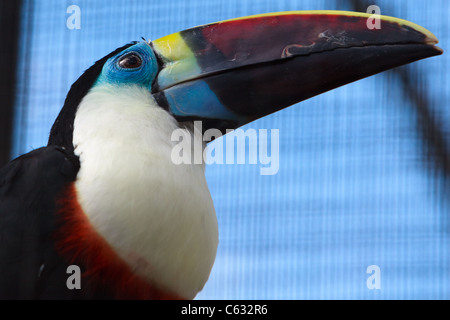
(158, 216)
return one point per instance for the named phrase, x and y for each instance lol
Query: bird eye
(130, 61)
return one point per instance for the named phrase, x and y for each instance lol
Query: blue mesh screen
(357, 183)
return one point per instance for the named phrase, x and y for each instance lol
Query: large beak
(239, 70)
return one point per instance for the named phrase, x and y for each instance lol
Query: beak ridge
(256, 65)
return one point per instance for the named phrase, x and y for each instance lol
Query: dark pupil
(130, 61)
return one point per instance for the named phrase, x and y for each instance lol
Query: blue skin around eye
(144, 75)
(187, 99)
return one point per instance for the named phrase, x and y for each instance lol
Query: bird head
(232, 72)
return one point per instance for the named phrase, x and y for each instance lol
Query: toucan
(105, 197)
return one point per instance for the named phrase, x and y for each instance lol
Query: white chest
(145, 206)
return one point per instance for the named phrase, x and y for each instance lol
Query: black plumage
(30, 267)
(30, 186)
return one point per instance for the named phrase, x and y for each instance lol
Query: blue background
(355, 186)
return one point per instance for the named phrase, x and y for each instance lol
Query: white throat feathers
(144, 205)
